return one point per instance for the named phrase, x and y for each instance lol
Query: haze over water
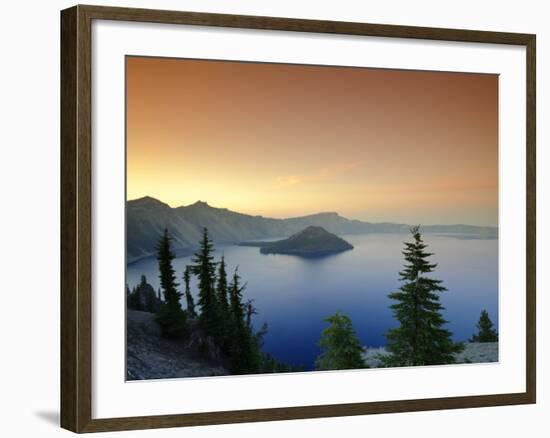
(293, 295)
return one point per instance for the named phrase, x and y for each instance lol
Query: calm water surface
(293, 295)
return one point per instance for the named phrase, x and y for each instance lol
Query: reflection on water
(294, 294)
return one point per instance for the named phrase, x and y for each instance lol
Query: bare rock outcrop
(150, 356)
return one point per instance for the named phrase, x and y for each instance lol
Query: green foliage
(204, 268)
(244, 348)
(142, 297)
(222, 288)
(166, 272)
(171, 318)
(270, 364)
(421, 338)
(340, 347)
(172, 321)
(132, 299)
(486, 331)
(224, 314)
(188, 296)
(225, 319)
(249, 311)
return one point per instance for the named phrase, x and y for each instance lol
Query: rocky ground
(474, 352)
(149, 356)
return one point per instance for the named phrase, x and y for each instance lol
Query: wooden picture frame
(76, 218)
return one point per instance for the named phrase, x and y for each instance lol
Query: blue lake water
(293, 295)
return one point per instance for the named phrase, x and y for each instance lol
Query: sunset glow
(289, 140)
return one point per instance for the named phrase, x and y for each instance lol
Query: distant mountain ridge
(147, 217)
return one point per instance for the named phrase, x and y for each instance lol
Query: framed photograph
(271, 218)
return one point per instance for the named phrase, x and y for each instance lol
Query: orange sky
(286, 140)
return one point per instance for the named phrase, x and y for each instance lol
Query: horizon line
(305, 215)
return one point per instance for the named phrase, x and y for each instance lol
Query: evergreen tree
(272, 365)
(129, 298)
(171, 317)
(244, 350)
(486, 331)
(188, 297)
(142, 297)
(222, 299)
(340, 347)
(221, 289)
(421, 338)
(133, 302)
(237, 310)
(249, 311)
(166, 272)
(147, 301)
(205, 270)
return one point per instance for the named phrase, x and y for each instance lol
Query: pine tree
(133, 301)
(166, 272)
(486, 331)
(237, 310)
(188, 297)
(249, 311)
(244, 350)
(205, 270)
(171, 317)
(221, 289)
(222, 299)
(421, 338)
(340, 347)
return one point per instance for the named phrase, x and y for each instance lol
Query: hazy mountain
(146, 218)
(145, 221)
(313, 241)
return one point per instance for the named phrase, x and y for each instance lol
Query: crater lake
(293, 295)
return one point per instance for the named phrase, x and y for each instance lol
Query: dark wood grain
(69, 327)
(76, 252)
(304, 412)
(300, 25)
(76, 219)
(84, 215)
(531, 213)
